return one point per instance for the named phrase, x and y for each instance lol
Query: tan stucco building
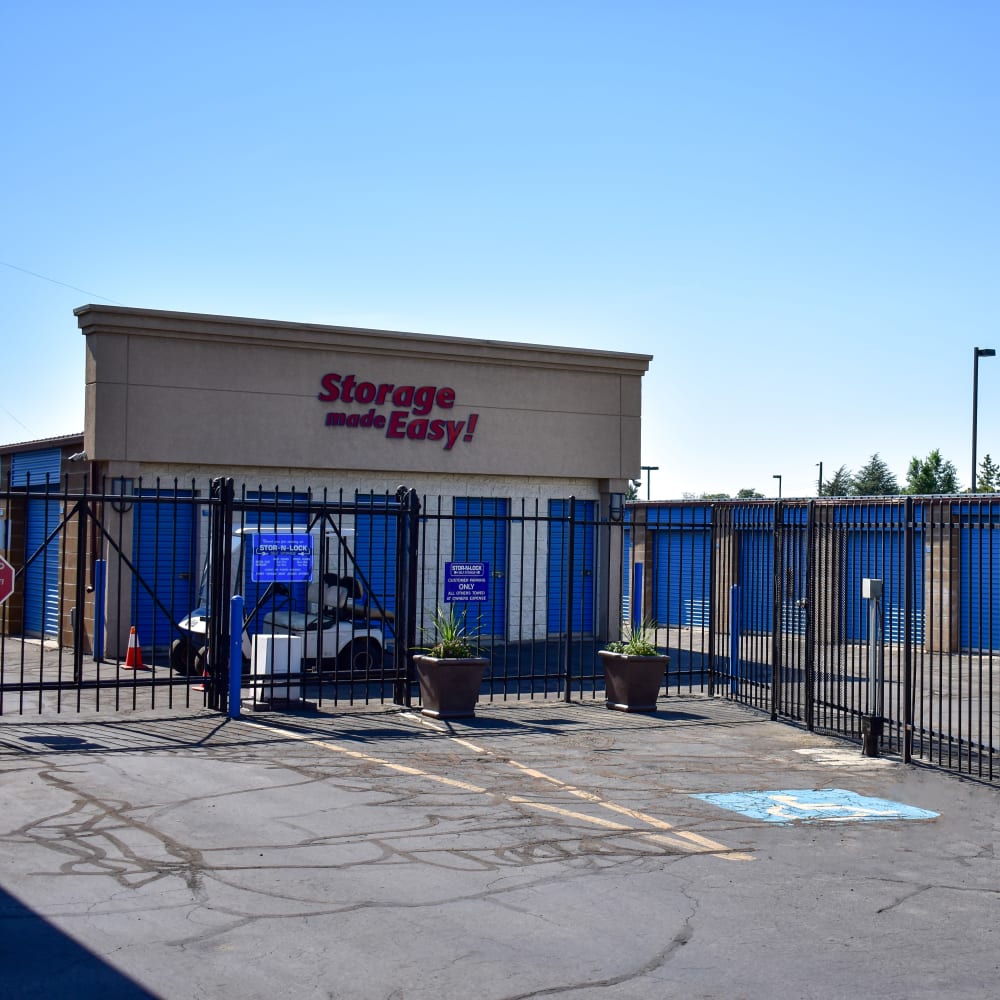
(175, 400)
(182, 395)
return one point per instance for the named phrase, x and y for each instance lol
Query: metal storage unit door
(795, 571)
(981, 578)
(757, 579)
(481, 536)
(583, 566)
(41, 577)
(375, 547)
(163, 553)
(879, 554)
(682, 566)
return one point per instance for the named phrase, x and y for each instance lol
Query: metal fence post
(570, 595)
(778, 582)
(735, 630)
(908, 587)
(407, 543)
(83, 510)
(221, 559)
(711, 599)
(235, 654)
(810, 609)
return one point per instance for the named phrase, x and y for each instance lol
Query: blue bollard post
(100, 576)
(235, 655)
(637, 597)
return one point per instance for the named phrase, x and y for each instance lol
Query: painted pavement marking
(678, 839)
(814, 805)
(844, 757)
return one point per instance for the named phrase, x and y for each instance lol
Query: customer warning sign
(466, 581)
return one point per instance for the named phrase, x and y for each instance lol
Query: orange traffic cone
(133, 656)
(204, 676)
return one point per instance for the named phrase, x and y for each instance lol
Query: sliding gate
(124, 594)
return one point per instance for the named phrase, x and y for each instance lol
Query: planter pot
(632, 683)
(449, 689)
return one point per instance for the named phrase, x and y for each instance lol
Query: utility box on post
(873, 723)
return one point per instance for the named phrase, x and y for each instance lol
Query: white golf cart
(318, 600)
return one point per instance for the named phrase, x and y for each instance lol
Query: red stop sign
(6, 579)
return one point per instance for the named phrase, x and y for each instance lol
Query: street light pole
(977, 353)
(779, 485)
(819, 488)
(648, 469)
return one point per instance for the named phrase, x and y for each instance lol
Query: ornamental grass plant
(453, 637)
(640, 641)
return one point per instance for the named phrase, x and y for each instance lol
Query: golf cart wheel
(360, 657)
(201, 660)
(182, 656)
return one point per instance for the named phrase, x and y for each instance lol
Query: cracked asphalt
(540, 850)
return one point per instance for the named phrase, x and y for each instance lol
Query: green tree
(840, 484)
(632, 493)
(988, 476)
(933, 474)
(749, 493)
(874, 480)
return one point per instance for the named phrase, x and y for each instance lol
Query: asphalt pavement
(542, 849)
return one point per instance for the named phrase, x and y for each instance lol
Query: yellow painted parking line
(694, 838)
(569, 813)
(677, 839)
(371, 759)
(608, 824)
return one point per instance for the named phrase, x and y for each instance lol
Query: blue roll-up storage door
(481, 536)
(795, 571)
(584, 531)
(757, 543)
(36, 470)
(682, 560)
(375, 537)
(756, 574)
(877, 553)
(41, 576)
(163, 553)
(981, 579)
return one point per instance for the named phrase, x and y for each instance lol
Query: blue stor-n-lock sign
(283, 558)
(466, 581)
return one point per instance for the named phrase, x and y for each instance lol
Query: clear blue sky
(792, 205)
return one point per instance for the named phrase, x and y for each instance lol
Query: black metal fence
(123, 593)
(759, 601)
(764, 602)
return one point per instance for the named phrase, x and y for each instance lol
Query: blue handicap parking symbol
(812, 805)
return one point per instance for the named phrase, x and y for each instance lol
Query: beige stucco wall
(176, 389)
